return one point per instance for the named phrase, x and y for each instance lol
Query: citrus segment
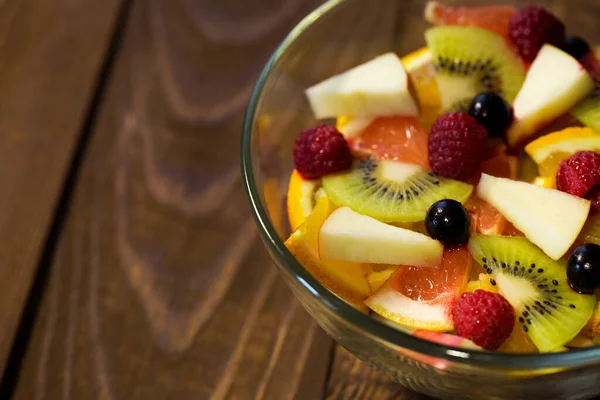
(379, 274)
(518, 342)
(422, 298)
(395, 138)
(482, 283)
(569, 141)
(493, 18)
(421, 73)
(548, 151)
(345, 279)
(300, 199)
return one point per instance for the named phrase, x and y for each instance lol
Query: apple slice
(555, 83)
(378, 87)
(549, 218)
(349, 236)
(352, 127)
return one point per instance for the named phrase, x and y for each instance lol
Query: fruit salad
(456, 194)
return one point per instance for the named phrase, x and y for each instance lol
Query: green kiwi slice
(391, 191)
(588, 110)
(547, 309)
(590, 233)
(471, 60)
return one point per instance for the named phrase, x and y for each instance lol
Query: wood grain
(160, 287)
(50, 55)
(351, 379)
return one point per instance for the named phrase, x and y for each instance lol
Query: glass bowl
(332, 39)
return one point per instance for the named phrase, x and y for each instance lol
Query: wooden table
(131, 268)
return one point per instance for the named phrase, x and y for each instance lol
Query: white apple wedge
(549, 218)
(352, 127)
(349, 236)
(376, 88)
(554, 84)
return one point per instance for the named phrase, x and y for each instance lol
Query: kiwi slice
(547, 309)
(590, 233)
(588, 110)
(391, 191)
(471, 60)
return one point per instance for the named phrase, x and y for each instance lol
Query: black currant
(448, 221)
(576, 46)
(492, 112)
(583, 268)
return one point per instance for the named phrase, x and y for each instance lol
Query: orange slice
(483, 283)
(397, 138)
(379, 275)
(518, 342)
(300, 198)
(421, 73)
(549, 150)
(345, 279)
(422, 297)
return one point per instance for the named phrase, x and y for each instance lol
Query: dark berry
(583, 268)
(321, 151)
(492, 112)
(594, 197)
(531, 27)
(456, 145)
(485, 318)
(578, 174)
(448, 221)
(576, 46)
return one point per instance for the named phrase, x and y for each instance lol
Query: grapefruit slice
(489, 220)
(347, 280)
(422, 298)
(493, 18)
(397, 138)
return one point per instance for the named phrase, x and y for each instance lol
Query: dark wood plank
(351, 379)
(50, 55)
(161, 288)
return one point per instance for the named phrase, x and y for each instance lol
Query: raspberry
(578, 174)
(531, 27)
(321, 151)
(486, 318)
(457, 144)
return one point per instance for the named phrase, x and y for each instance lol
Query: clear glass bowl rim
(370, 326)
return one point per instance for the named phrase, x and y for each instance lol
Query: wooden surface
(50, 55)
(124, 223)
(160, 287)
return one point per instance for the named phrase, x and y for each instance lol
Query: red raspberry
(578, 174)
(531, 27)
(321, 151)
(457, 144)
(486, 318)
